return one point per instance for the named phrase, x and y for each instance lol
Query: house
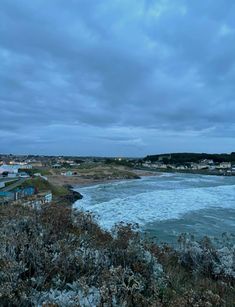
(48, 197)
(146, 164)
(17, 193)
(68, 173)
(5, 168)
(12, 175)
(35, 201)
(25, 166)
(56, 165)
(24, 192)
(207, 162)
(74, 164)
(181, 167)
(225, 165)
(163, 166)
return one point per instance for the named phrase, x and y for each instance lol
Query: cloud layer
(122, 77)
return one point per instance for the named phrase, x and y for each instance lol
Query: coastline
(81, 181)
(193, 172)
(78, 182)
(69, 250)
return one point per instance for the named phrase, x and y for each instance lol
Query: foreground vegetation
(55, 257)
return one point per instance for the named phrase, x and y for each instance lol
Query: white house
(25, 166)
(13, 169)
(48, 197)
(225, 165)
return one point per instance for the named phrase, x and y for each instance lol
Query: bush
(56, 257)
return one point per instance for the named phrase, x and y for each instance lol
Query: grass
(8, 183)
(42, 171)
(43, 185)
(102, 171)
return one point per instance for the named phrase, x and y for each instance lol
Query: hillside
(55, 258)
(181, 158)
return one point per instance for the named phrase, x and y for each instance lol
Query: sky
(117, 78)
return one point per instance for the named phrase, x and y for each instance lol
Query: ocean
(166, 205)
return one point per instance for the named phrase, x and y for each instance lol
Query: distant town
(32, 179)
(212, 164)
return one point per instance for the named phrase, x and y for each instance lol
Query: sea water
(166, 205)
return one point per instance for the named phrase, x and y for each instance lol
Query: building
(24, 192)
(35, 201)
(12, 169)
(12, 175)
(207, 162)
(56, 165)
(46, 196)
(181, 167)
(225, 165)
(17, 193)
(68, 173)
(25, 166)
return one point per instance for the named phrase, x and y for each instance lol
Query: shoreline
(79, 181)
(76, 195)
(193, 172)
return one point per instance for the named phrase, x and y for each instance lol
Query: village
(15, 186)
(37, 180)
(205, 165)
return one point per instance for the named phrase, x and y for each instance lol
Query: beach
(92, 178)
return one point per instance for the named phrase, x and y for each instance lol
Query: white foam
(157, 205)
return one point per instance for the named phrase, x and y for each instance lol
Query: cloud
(149, 67)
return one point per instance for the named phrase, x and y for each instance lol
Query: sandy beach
(90, 179)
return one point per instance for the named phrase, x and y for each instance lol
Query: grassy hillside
(43, 171)
(43, 185)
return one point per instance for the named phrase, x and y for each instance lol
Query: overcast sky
(117, 78)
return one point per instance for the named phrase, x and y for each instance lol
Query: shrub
(56, 257)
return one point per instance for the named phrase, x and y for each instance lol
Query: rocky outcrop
(71, 196)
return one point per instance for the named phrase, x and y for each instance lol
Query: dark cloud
(117, 77)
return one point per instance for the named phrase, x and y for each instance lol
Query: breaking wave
(155, 199)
